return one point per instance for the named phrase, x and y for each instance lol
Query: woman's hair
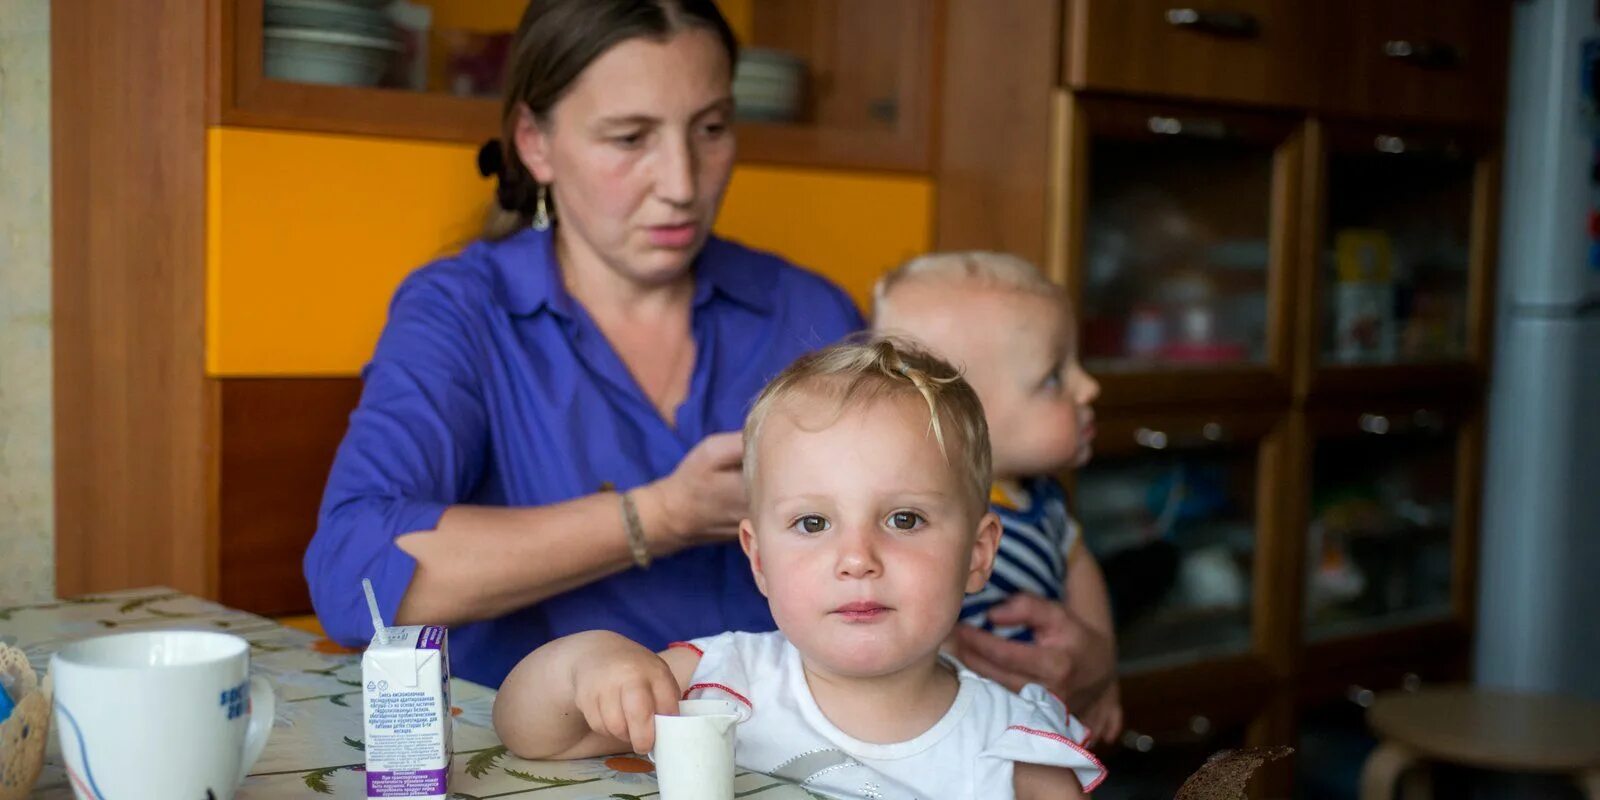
(555, 42)
(857, 373)
(989, 269)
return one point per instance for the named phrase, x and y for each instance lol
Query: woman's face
(638, 154)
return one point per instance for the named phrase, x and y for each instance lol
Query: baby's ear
(747, 540)
(984, 546)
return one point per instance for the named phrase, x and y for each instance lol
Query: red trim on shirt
(1056, 737)
(688, 646)
(741, 698)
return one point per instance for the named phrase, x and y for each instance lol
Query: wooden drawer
(1243, 51)
(1440, 60)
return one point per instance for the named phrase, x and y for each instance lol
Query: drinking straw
(372, 606)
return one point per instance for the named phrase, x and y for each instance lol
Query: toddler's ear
(747, 540)
(983, 550)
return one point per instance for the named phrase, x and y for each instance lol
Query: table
(316, 746)
(1479, 728)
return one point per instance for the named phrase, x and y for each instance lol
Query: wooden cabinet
(1236, 51)
(1396, 59)
(1438, 60)
(1278, 223)
(869, 91)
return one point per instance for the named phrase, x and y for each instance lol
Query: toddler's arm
(589, 694)
(1040, 782)
(1087, 596)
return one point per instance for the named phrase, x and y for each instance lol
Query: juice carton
(405, 678)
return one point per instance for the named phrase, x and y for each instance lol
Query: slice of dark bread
(1225, 775)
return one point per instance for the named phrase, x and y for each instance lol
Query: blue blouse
(492, 386)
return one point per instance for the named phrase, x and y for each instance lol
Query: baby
(1011, 331)
(867, 467)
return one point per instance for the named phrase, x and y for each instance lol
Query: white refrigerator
(1539, 588)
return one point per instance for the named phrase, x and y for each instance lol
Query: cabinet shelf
(824, 138)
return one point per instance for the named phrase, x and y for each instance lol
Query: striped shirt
(1038, 536)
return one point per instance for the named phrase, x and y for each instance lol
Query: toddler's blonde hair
(856, 373)
(987, 268)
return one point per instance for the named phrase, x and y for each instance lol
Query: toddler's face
(1018, 350)
(863, 539)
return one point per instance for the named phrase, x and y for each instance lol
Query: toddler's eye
(1052, 382)
(810, 523)
(905, 520)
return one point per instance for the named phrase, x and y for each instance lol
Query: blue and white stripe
(1032, 557)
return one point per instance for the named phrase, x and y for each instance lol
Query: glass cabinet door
(1383, 513)
(1177, 255)
(819, 82)
(1396, 250)
(1169, 509)
(452, 47)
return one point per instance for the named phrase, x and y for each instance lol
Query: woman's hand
(619, 687)
(1067, 656)
(701, 501)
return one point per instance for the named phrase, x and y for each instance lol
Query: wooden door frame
(135, 416)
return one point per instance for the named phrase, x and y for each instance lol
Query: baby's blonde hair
(987, 268)
(856, 373)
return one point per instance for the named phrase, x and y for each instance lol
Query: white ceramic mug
(694, 752)
(162, 715)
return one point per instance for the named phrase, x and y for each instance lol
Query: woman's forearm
(484, 562)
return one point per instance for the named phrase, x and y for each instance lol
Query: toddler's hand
(1103, 717)
(620, 687)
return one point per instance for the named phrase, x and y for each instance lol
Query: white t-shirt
(968, 753)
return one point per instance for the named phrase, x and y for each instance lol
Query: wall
(26, 514)
(298, 282)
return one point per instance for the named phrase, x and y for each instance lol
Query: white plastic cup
(694, 750)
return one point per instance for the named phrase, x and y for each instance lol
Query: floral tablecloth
(316, 746)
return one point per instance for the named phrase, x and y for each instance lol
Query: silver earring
(541, 210)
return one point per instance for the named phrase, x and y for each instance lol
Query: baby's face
(864, 539)
(1018, 351)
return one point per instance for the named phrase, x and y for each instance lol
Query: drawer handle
(1393, 145)
(1376, 424)
(1424, 54)
(1233, 24)
(1138, 742)
(1195, 127)
(1360, 695)
(1399, 145)
(1152, 439)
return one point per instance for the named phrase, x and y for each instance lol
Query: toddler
(867, 467)
(1011, 331)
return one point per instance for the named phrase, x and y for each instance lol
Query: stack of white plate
(344, 42)
(767, 85)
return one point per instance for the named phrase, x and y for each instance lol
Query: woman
(542, 445)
